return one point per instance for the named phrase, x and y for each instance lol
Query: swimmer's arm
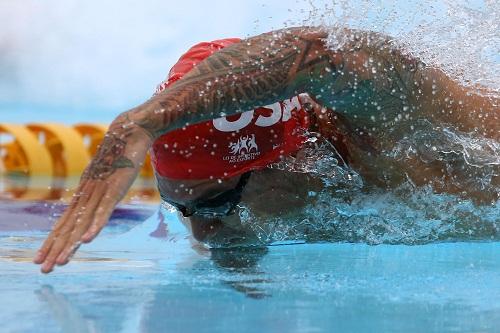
(468, 108)
(258, 71)
(281, 64)
(255, 72)
(103, 184)
(241, 77)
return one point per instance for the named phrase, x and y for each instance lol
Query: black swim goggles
(222, 205)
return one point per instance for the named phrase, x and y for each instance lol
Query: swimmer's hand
(103, 184)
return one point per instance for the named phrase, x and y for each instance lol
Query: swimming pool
(400, 261)
(139, 277)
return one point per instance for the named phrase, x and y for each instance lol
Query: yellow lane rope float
(23, 153)
(52, 149)
(23, 157)
(66, 147)
(43, 161)
(92, 135)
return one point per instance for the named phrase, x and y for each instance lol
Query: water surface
(142, 277)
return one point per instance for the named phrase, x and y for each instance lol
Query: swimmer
(362, 98)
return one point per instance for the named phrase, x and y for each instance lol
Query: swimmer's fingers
(99, 222)
(54, 244)
(98, 193)
(82, 225)
(114, 192)
(62, 226)
(64, 257)
(100, 207)
(68, 230)
(44, 250)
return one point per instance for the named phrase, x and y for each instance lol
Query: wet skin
(377, 89)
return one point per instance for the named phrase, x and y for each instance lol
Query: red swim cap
(227, 146)
(193, 57)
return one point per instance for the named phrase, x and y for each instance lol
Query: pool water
(407, 260)
(144, 274)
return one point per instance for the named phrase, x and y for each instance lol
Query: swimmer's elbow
(131, 125)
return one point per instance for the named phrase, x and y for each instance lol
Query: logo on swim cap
(244, 149)
(280, 111)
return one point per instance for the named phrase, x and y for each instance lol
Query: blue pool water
(407, 260)
(142, 277)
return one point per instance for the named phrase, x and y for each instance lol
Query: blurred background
(67, 68)
(71, 61)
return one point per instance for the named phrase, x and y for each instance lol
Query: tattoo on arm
(271, 67)
(249, 74)
(252, 73)
(111, 154)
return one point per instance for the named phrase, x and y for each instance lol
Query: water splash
(469, 161)
(349, 211)
(404, 216)
(320, 158)
(460, 37)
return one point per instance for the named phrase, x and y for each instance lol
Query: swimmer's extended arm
(255, 72)
(368, 75)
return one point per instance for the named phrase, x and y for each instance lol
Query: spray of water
(462, 39)
(321, 159)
